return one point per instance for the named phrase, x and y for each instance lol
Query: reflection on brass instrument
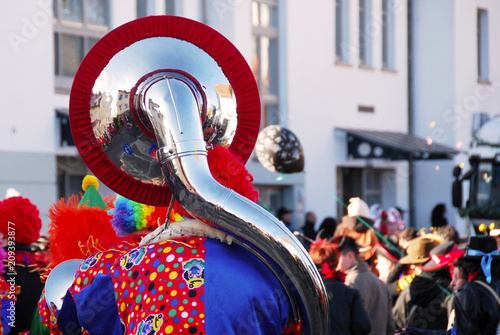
(156, 106)
(119, 130)
(58, 281)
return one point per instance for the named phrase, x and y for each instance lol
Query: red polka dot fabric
(100, 262)
(162, 295)
(162, 289)
(46, 317)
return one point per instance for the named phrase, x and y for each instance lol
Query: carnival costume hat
(78, 225)
(387, 252)
(483, 249)
(418, 251)
(358, 207)
(357, 225)
(19, 214)
(442, 256)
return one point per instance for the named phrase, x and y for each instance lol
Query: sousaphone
(150, 98)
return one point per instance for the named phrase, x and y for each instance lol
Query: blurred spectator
(357, 225)
(408, 267)
(405, 237)
(438, 218)
(448, 233)
(476, 306)
(347, 314)
(374, 294)
(459, 278)
(308, 229)
(285, 215)
(395, 220)
(327, 228)
(423, 303)
(380, 219)
(20, 226)
(386, 260)
(384, 222)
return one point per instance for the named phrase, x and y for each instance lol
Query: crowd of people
(412, 283)
(432, 283)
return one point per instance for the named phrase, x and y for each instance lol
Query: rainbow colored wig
(130, 217)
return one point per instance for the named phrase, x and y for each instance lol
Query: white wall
(28, 130)
(317, 94)
(434, 77)
(471, 96)
(323, 95)
(27, 83)
(447, 90)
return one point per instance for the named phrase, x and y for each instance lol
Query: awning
(393, 146)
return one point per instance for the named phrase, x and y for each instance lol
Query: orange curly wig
(76, 231)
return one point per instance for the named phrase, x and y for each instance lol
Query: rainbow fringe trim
(130, 217)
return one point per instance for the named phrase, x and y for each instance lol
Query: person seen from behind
(285, 215)
(425, 302)
(375, 296)
(404, 238)
(327, 228)
(357, 225)
(438, 218)
(409, 266)
(347, 314)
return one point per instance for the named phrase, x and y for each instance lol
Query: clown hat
(91, 198)
(79, 227)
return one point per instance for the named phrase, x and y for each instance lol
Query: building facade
(325, 70)
(454, 89)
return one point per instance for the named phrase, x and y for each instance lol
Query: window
(142, 8)
(170, 7)
(79, 24)
(366, 109)
(365, 38)
(483, 66)
(70, 173)
(372, 192)
(478, 119)
(272, 197)
(265, 57)
(147, 7)
(65, 136)
(374, 186)
(342, 31)
(388, 34)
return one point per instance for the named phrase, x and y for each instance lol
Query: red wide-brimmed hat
(442, 256)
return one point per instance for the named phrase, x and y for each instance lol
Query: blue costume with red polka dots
(192, 285)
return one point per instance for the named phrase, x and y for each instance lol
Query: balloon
(279, 150)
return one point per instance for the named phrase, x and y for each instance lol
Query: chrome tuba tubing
(171, 102)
